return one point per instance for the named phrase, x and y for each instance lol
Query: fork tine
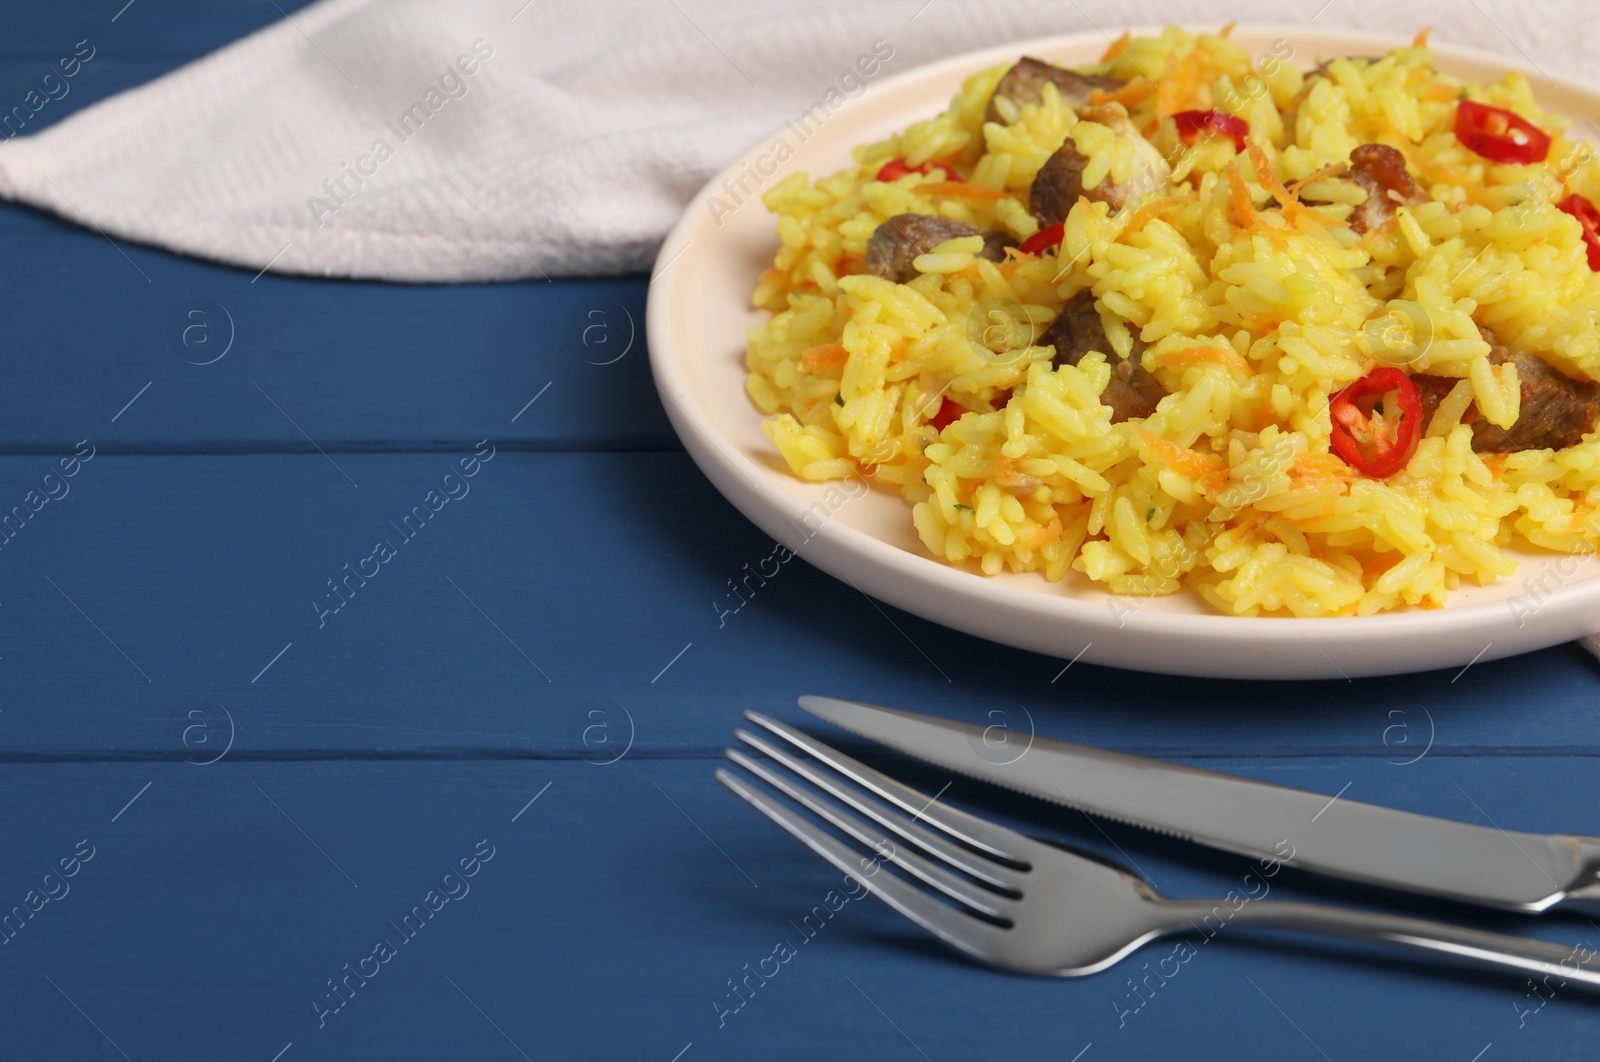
(982, 834)
(958, 889)
(963, 932)
(970, 862)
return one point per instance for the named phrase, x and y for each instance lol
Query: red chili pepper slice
(1377, 444)
(1589, 217)
(1192, 123)
(895, 169)
(948, 414)
(1045, 239)
(1499, 135)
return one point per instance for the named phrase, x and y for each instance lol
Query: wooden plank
(558, 585)
(296, 364)
(174, 30)
(616, 907)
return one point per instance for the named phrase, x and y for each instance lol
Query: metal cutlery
(1023, 905)
(1512, 871)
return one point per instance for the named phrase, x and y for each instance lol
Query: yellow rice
(1229, 488)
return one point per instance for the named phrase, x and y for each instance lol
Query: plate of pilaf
(1260, 351)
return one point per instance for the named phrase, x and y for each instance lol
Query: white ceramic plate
(699, 311)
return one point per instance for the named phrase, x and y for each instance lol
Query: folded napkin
(454, 140)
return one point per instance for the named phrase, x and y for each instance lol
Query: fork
(1027, 906)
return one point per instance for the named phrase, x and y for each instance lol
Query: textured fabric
(577, 139)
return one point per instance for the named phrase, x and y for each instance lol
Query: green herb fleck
(1462, 95)
(838, 400)
(968, 508)
(1149, 513)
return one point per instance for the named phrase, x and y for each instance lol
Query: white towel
(453, 140)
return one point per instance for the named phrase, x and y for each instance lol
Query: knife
(1483, 865)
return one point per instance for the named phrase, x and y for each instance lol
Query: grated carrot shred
(962, 188)
(1118, 47)
(1189, 463)
(1331, 170)
(1183, 85)
(1267, 178)
(1214, 482)
(1293, 209)
(1375, 566)
(1241, 196)
(1149, 211)
(1049, 533)
(1421, 39)
(1005, 474)
(1312, 465)
(1277, 235)
(823, 358)
(1129, 95)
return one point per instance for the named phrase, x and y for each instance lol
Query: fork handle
(1497, 950)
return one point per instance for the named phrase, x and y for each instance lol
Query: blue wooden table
(252, 807)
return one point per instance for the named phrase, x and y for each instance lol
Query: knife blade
(1344, 838)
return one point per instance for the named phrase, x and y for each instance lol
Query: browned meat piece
(897, 242)
(1059, 183)
(1433, 390)
(1381, 170)
(1132, 393)
(1024, 84)
(1556, 410)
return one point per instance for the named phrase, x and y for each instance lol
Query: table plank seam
(715, 754)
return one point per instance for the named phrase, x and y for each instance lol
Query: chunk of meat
(1024, 84)
(1132, 393)
(1381, 171)
(897, 242)
(1059, 182)
(1556, 410)
(1434, 390)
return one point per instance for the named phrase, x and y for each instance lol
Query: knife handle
(1535, 958)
